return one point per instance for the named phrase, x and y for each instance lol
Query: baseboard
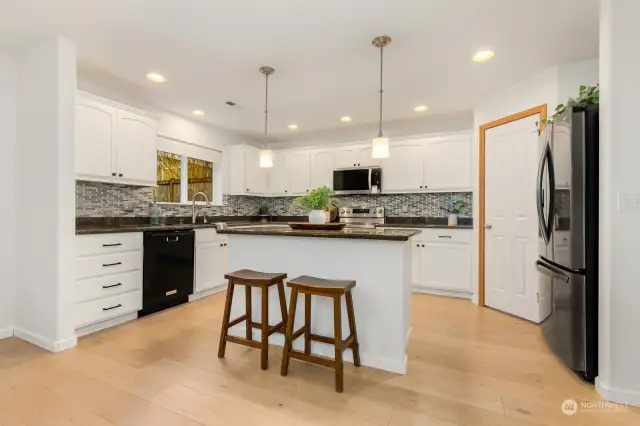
(620, 396)
(387, 364)
(44, 343)
(435, 292)
(6, 332)
(202, 294)
(106, 324)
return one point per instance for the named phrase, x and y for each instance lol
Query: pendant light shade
(266, 155)
(380, 145)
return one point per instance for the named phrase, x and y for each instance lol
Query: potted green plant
(454, 207)
(316, 202)
(587, 95)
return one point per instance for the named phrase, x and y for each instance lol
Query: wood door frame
(540, 109)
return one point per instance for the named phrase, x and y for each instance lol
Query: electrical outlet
(405, 208)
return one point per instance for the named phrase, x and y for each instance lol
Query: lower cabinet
(211, 260)
(441, 261)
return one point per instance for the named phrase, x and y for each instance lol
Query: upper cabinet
(403, 170)
(300, 172)
(114, 143)
(364, 157)
(321, 168)
(447, 163)
(278, 179)
(243, 174)
(354, 156)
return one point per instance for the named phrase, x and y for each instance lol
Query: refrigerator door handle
(545, 226)
(552, 191)
(551, 271)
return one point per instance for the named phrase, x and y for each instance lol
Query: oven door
(352, 181)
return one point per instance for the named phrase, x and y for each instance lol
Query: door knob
(488, 226)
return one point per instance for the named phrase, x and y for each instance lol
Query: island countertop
(350, 233)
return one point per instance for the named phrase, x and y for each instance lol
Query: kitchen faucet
(194, 214)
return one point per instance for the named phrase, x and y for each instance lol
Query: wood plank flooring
(467, 366)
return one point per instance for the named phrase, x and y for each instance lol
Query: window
(180, 177)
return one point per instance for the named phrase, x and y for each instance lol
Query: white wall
(550, 87)
(8, 174)
(619, 355)
(353, 133)
(46, 195)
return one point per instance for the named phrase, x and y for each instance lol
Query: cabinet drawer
(447, 235)
(87, 245)
(108, 285)
(208, 235)
(107, 264)
(110, 307)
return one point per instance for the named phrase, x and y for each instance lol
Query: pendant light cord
(266, 110)
(381, 91)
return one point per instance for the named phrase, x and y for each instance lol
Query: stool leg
(355, 346)
(264, 352)
(337, 328)
(249, 310)
(283, 304)
(225, 320)
(307, 324)
(288, 335)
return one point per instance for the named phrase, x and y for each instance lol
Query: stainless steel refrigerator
(567, 201)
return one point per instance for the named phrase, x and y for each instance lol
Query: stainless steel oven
(367, 180)
(362, 217)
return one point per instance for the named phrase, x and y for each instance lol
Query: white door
(137, 154)
(300, 172)
(322, 169)
(209, 265)
(279, 174)
(447, 163)
(364, 157)
(446, 266)
(402, 171)
(345, 157)
(511, 234)
(255, 176)
(94, 138)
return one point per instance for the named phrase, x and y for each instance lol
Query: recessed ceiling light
(156, 78)
(293, 127)
(346, 119)
(198, 112)
(483, 55)
(421, 108)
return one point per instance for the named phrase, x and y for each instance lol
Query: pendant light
(266, 155)
(380, 145)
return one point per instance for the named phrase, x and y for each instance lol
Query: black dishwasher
(167, 270)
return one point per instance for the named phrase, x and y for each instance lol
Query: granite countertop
(350, 233)
(111, 229)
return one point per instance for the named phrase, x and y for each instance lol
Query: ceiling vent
(230, 103)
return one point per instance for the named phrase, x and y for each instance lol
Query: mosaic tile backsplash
(100, 199)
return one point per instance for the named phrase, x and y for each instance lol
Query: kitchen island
(379, 262)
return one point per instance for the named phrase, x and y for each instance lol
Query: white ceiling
(210, 51)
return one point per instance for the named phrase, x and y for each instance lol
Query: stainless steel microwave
(366, 180)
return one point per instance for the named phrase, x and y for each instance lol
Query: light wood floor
(467, 366)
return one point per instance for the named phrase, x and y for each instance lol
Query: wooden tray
(334, 226)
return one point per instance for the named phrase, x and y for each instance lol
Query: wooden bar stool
(310, 286)
(249, 279)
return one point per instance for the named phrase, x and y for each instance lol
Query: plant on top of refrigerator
(588, 95)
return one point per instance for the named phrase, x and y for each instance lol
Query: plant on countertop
(455, 206)
(318, 199)
(588, 95)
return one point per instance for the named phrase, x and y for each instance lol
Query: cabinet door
(364, 157)
(322, 169)
(94, 138)
(300, 172)
(416, 263)
(255, 176)
(447, 163)
(279, 174)
(345, 157)
(446, 266)
(209, 265)
(136, 148)
(402, 171)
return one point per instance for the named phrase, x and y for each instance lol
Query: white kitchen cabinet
(210, 268)
(300, 172)
(364, 157)
(403, 170)
(447, 163)
(114, 143)
(278, 175)
(321, 168)
(345, 157)
(242, 171)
